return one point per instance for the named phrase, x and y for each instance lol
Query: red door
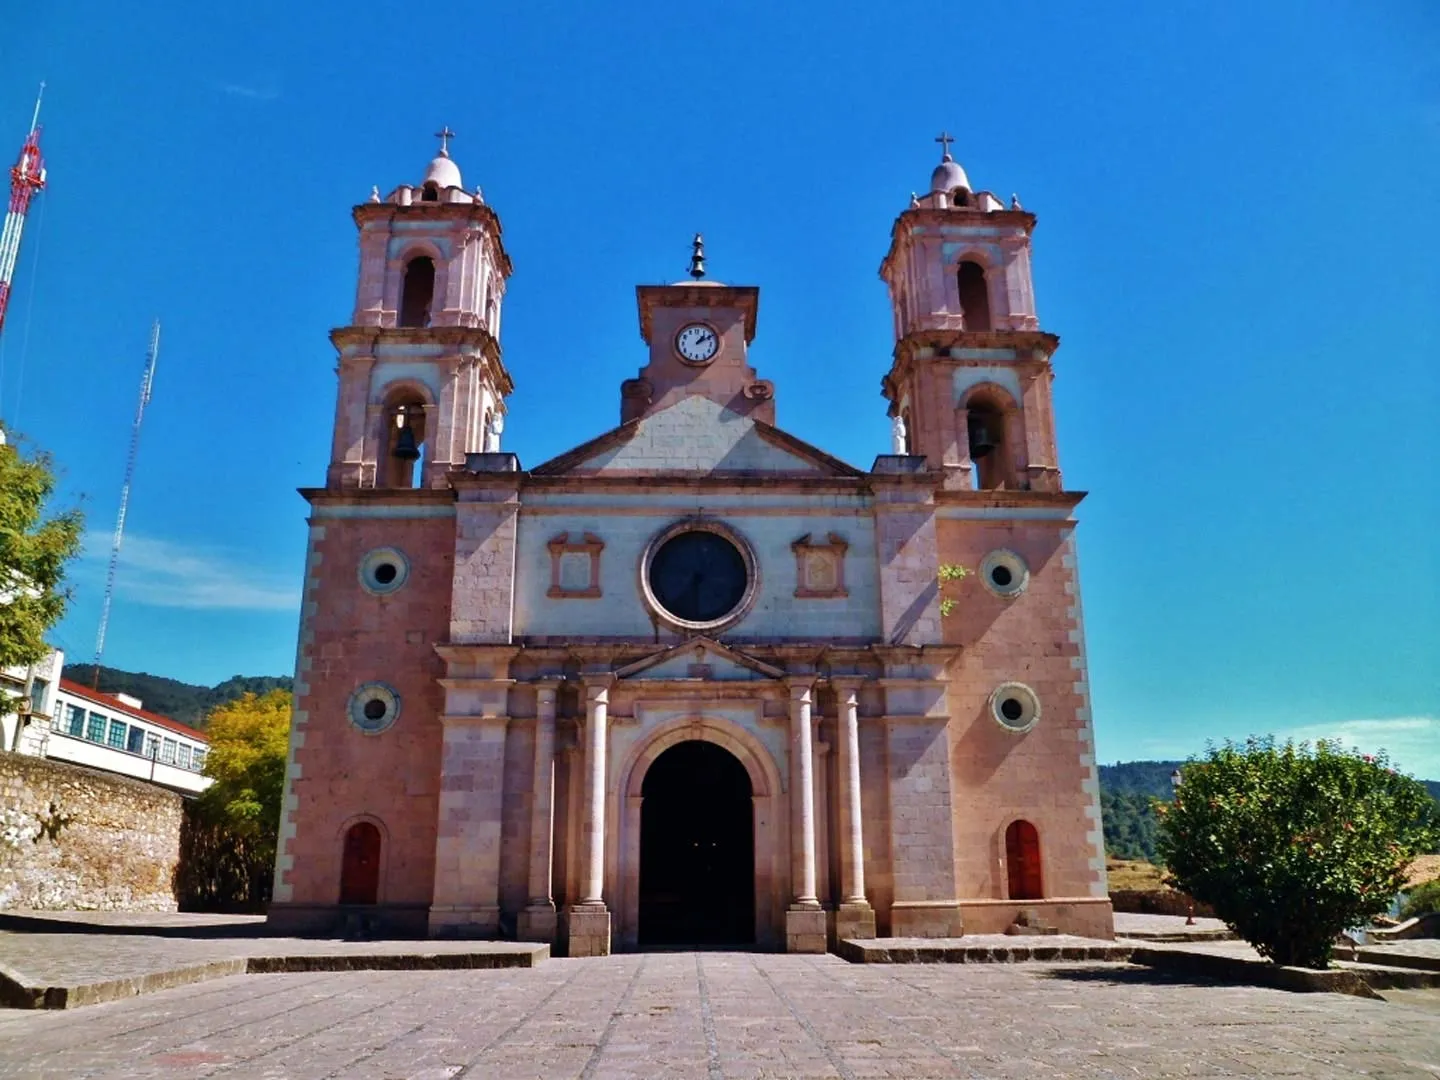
(360, 869)
(1022, 857)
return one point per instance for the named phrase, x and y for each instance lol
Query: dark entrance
(360, 867)
(697, 849)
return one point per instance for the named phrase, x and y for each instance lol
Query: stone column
(537, 921)
(588, 922)
(805, 920)
(855, 917)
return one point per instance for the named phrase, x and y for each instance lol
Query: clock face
(698, 576)
(697, 343)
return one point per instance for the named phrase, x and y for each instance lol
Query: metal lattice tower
(146, 382)
(26, 179)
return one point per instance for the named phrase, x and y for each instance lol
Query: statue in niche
(899, 437)
(492, 433)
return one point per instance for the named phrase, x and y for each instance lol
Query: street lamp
(1175, 781)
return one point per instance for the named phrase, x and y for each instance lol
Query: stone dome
(948, 176)
(444, 173)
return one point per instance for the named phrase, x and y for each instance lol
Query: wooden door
(1022, 858)
(360, 868)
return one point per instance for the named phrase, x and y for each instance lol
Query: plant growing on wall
(34, 549)
(948, 573)
(1291, 845)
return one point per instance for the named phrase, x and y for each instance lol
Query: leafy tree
(33, 552)
(1130, 824)
(1422, 900)
(1291, 846)
(230, 852)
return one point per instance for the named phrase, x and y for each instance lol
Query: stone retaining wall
(72, 837)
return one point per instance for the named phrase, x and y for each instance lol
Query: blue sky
(1238, 223)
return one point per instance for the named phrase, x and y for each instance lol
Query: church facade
(695, 680)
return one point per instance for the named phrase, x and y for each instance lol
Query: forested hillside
(1126, 791)
(186, 702)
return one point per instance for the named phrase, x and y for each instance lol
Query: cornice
(358, 496)
(1010, 500)
(744, 297)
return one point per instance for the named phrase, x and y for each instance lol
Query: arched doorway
(697, 849)
(360, 866)
(1022, 859)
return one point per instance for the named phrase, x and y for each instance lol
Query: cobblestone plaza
(729, 1014)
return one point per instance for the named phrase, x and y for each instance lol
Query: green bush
(1291, 846)
(1422, 900)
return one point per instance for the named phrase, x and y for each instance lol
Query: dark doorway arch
(974, 296)
(417, 291)
(360, 867)
(1022, 859)
(697, 849)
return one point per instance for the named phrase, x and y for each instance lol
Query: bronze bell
(405, 448)
(982, 441)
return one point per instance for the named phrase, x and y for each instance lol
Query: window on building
(117, 734)
(405, 439)
(417, 290)
(38, 689)
(197, 760)
(152, 746)
(182, 756)
(95, 728)
(167, 751)
(74, 720)
(974, 296)
(136, 741)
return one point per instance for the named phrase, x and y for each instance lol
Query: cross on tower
(445, 135)
(945, 139)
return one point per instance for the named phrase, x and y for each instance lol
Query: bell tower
(969, 386)
(422, 383)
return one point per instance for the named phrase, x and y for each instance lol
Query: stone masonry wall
(71, 837)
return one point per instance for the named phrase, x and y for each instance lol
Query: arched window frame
(384, 402)
(415, 248)
(994, 275)
(1012, 445)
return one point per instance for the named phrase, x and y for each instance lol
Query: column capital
(597, 687)
(801, 687)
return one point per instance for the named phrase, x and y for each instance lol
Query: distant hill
(1126, 789)
(186, 702)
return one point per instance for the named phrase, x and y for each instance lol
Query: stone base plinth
(587, 930)
(538, 922)
(926, 918)
(805, 929)
(852, 921)
(464, 922)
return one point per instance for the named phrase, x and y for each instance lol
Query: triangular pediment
(695, 435)
(699, 658)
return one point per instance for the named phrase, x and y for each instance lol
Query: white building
(65, 721)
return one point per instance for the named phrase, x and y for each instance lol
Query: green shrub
(1422, 900)
(1291, 846)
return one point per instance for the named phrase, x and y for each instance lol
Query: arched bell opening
(697, 849)
(405, 434)
(1022, 861)
(417, 289)
(974, 296)
(986, 433)
(430, 193)
(360, 864)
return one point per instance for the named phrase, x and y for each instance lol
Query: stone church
(694, 681)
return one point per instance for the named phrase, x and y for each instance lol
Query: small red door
(360, 869)
(1022, 857)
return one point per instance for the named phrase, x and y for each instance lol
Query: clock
(699, 576)
(697, 343)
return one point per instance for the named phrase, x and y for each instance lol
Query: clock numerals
(697, 343)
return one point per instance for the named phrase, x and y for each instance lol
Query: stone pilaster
(538, 922)
(587, 923)
(805, 922)
(854, 918)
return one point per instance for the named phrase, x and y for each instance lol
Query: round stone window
(698, 576)
(383, 571)
(374, 707)
(1015, 706)
(1004, 573)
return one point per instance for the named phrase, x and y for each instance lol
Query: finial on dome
(445, 135)
(697, 257)
(945, 139)
(374, 192)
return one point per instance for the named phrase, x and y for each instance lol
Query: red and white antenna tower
(26, 178)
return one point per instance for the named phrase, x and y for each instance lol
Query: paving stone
(725, 1016)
